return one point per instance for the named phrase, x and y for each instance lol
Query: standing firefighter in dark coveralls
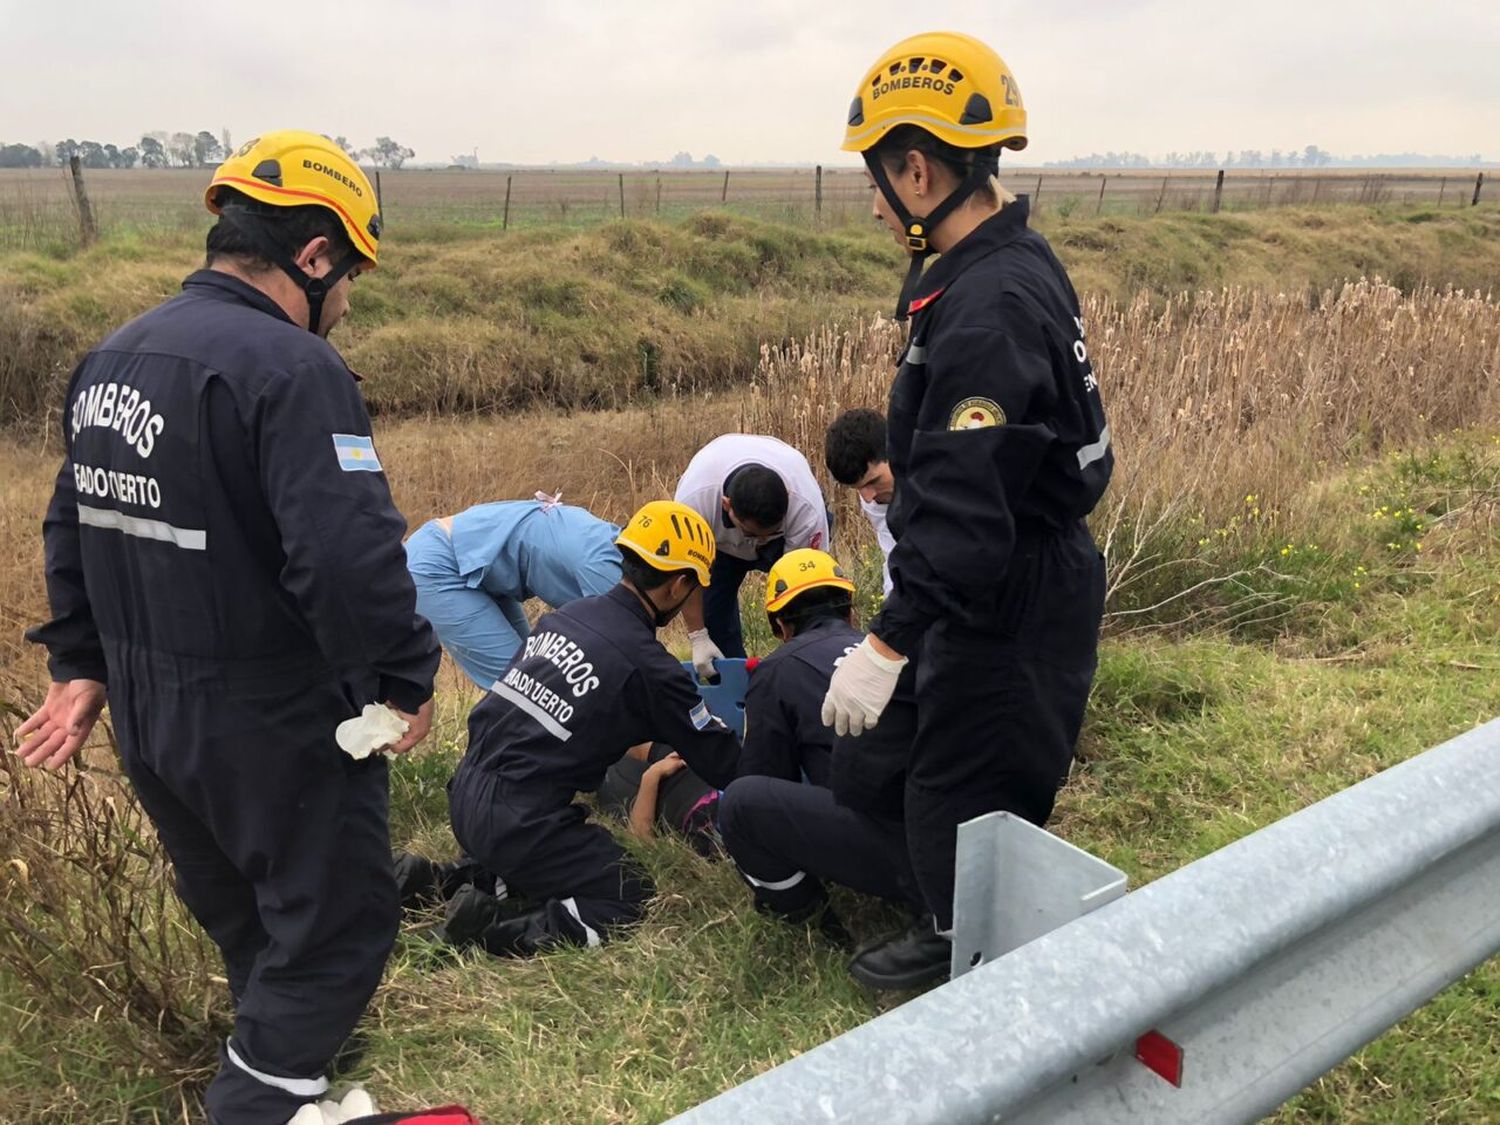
(223, 554)
(590, 682)
(999, 448)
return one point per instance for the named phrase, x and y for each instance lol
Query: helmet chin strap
(918, 229)
(315, 289)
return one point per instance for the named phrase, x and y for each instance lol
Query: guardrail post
(1014, 882)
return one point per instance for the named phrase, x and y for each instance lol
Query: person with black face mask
(591, 681)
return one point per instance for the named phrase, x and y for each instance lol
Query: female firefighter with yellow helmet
(979, 665)
(590, 682)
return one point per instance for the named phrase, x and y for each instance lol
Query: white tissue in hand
(376, 727)
(356, 1104)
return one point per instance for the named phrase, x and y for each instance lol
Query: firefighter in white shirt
(760, 497)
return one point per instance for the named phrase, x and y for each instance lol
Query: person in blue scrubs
(475, 570)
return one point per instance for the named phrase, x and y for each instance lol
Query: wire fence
(38, 205)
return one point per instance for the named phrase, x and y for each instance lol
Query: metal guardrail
(1243, 976)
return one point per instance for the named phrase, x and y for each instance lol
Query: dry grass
(1212, 397)
(1223, 404)
(92, 932)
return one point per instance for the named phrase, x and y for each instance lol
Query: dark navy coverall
(778, 820)
(999, 448)
(223, 553)
(590, 682)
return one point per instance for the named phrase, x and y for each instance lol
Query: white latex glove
(862, 685)
(374, 728)
(356, 1104)
(705, 652)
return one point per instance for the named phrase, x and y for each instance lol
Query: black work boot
(416, 880)
(466, 917)
(911, 959)
(421, 882)
(517, 934)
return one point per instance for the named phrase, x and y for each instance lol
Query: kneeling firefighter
(998, 447)
(590, 682)
(779, 821)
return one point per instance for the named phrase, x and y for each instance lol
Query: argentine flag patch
(701, 716)
(356, 454)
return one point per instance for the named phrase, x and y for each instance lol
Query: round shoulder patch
(975, 414)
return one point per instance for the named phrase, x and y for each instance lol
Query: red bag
(443, 1115)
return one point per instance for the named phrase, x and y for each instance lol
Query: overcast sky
(748, 80)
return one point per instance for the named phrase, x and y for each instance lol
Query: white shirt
(875, 513)
(702, 489)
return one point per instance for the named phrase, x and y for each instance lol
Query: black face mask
(663, 616)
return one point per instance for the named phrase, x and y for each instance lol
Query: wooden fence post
(1442, 190)
(379, 199)
(89, 231)
(1103, 182)
(1161, 195)
(1036, 198)
(724, 194)
(818, 193)
(1218, 191)
(505, 221)
(622, 195)
(658, 193)
(1478, 187)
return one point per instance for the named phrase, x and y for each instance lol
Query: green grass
(1196, 737)
(463, 317)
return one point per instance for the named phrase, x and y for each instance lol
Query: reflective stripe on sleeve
(1088, 454)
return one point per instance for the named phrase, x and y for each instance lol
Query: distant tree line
(1310, 156)
(171, 150)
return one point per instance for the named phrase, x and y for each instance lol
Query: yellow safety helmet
(952, 85)
(959, 91)
(666, 535)
(797, 572)
(290, 168)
